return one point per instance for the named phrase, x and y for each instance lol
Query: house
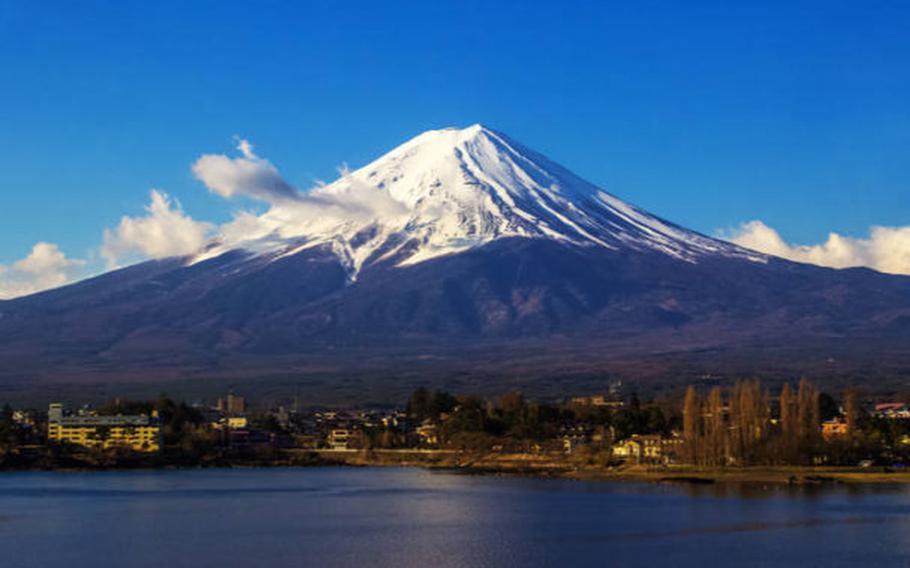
(652, 448)
(575, 437)
(835, 428)
(339, 438)
(573, 441)
(629, 449)
(428, 433)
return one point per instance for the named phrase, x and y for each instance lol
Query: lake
(412, 517)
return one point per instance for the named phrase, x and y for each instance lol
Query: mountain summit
(460, 253)
(450, 190)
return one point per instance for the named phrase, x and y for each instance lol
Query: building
(283, 417)
(232, 404)
(832, 429)
(671, 448)
(140, 433)
(230, 423)
(596, 401)
(575, 437)
(892, 410)
(306, 441)
(648, 449)
(338, 438)
(246, 439)
(572, 441)
(629, 449)
(428, 433)
(25, 418)
(397, 420)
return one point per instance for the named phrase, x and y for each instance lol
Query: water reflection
(401, 517)
(753, 490)
(749, 527)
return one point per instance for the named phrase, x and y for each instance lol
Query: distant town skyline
(769, 124)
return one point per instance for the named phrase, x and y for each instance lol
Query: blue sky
(707, 113)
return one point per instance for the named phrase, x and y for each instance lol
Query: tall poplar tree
(691, 423)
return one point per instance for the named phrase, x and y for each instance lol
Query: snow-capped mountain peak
(447, 191)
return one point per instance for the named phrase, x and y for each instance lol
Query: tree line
(745, 426)
(513, 421)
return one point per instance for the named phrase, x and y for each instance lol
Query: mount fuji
(461, 255)
(448, 191)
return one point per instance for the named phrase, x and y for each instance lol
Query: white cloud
(44, 268)
(246, 148)
(322, 210)
(248, 175)
(886, 249)
(164, 231)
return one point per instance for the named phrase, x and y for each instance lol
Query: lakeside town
(714, 428)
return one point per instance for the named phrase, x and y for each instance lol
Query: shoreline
(562, 467)
(520, 465)
(546, 467)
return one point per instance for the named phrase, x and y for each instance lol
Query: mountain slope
(480, 257)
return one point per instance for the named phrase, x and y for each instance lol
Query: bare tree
(737, 415)
(788, 425)
(691, 424)
(749, 420)
(851, 410)
(764, 421)
(715, 429)
(807, 418)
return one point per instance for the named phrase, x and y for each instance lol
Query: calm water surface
(405, 517)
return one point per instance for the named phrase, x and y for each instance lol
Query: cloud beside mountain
(164, 231)
(45, 267)
(886, 249)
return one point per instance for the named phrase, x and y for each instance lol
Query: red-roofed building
(893, 410)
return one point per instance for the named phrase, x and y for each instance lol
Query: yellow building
(231, 423)
(648, 449)
(832, 429)
(139, 433)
